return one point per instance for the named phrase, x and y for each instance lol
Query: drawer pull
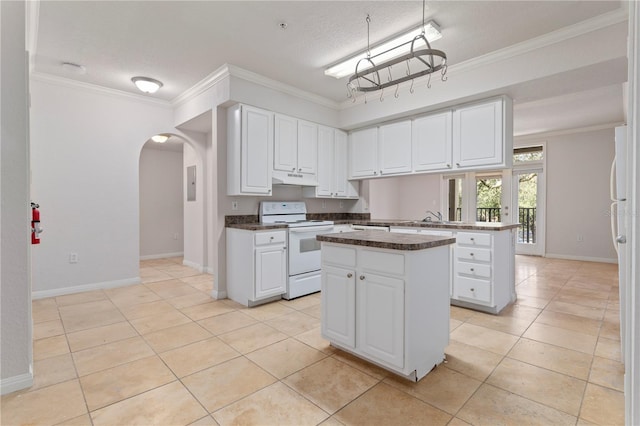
(471, 269)
(349, 275)
(470, 254)
(472, 290)
(361, 277)
(472, 239)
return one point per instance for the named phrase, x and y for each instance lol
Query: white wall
(578, 202)
(161, 202)
(194, 235)
(86, 147)
(15, 250)
(404, 197)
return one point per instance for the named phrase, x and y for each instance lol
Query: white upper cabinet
(394, 148)
(431, 142)
(249, 150)
(363, 154)
(483, 135)
(307, 147)
(285, 153)
(332, 167)
(295, 158)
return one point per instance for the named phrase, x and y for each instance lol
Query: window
(454, 198)
(528, 155)
(488, 198)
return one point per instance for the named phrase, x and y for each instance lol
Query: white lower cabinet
(256, 265)
(390, 307)
(484, 270)
(380, 317)
(482, 264)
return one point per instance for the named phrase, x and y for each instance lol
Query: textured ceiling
(180, 43)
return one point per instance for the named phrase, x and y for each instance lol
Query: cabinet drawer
(473, 290)
(263, 238)
(469, 253)
(387, 263)
(474, 269)
(339, 255)
(473, 239)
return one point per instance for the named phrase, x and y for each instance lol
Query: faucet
(437, 215)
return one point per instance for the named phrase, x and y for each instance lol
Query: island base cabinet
(380, 312)
(338, 298)
(393, 312)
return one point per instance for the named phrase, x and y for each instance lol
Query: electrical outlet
(580, 238)
(234, 205)
(324, 204)
(73, 257)
(341, 204)
(175, 236)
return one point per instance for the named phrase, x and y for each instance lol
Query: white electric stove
(303, 248)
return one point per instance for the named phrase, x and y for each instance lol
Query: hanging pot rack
(421, 58)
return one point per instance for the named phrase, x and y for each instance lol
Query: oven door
(304, 249)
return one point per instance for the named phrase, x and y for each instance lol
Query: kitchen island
(385, 298)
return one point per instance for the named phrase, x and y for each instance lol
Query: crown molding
(584, 27)
(202, 86)
(553, 133)
(33, 19)
(228, 70)
(66, 82)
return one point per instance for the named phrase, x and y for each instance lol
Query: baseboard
(161, 256)
(217, 294)
(41, 294)
(208, 270)
(15, 383)
(582, 258)
(193, 265)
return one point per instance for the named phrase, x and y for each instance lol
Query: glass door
(527, 200)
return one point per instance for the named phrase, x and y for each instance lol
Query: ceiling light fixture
(160, 138)
(146, 84)
(413, 55)
(402, 43)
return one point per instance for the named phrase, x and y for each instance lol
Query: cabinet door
(431, 142)
(256, 150)
(477, 135)
(380, 318)
(394, 148)
(364, 153)
(325, 161)
(307, 147)
(340, 182)
(285, 156)
(338, 305)
(271, 271)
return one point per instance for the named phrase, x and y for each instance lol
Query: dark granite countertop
(477, 226)
(257, 226)
(387, 240)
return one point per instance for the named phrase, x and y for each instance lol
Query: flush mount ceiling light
(160, 138)
(146, 84)
(410, 53)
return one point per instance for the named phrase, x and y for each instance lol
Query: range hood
(292, 178)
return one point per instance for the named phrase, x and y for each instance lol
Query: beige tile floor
(165, 353)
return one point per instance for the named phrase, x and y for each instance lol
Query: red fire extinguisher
(36, 229)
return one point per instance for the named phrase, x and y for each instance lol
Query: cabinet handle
(472, 239)
(473, 289)
(293, 170)
(349, 275)
(472, 269)
(380, 171)
(271, 238)
(361, 277)
(299, 170)
(470, 254)
(458, 164)
(375, 173)
(448, 166)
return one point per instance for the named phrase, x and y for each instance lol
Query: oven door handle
(308, 229)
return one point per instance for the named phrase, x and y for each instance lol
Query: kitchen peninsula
(385, 298)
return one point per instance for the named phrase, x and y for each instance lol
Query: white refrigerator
(618, 213)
